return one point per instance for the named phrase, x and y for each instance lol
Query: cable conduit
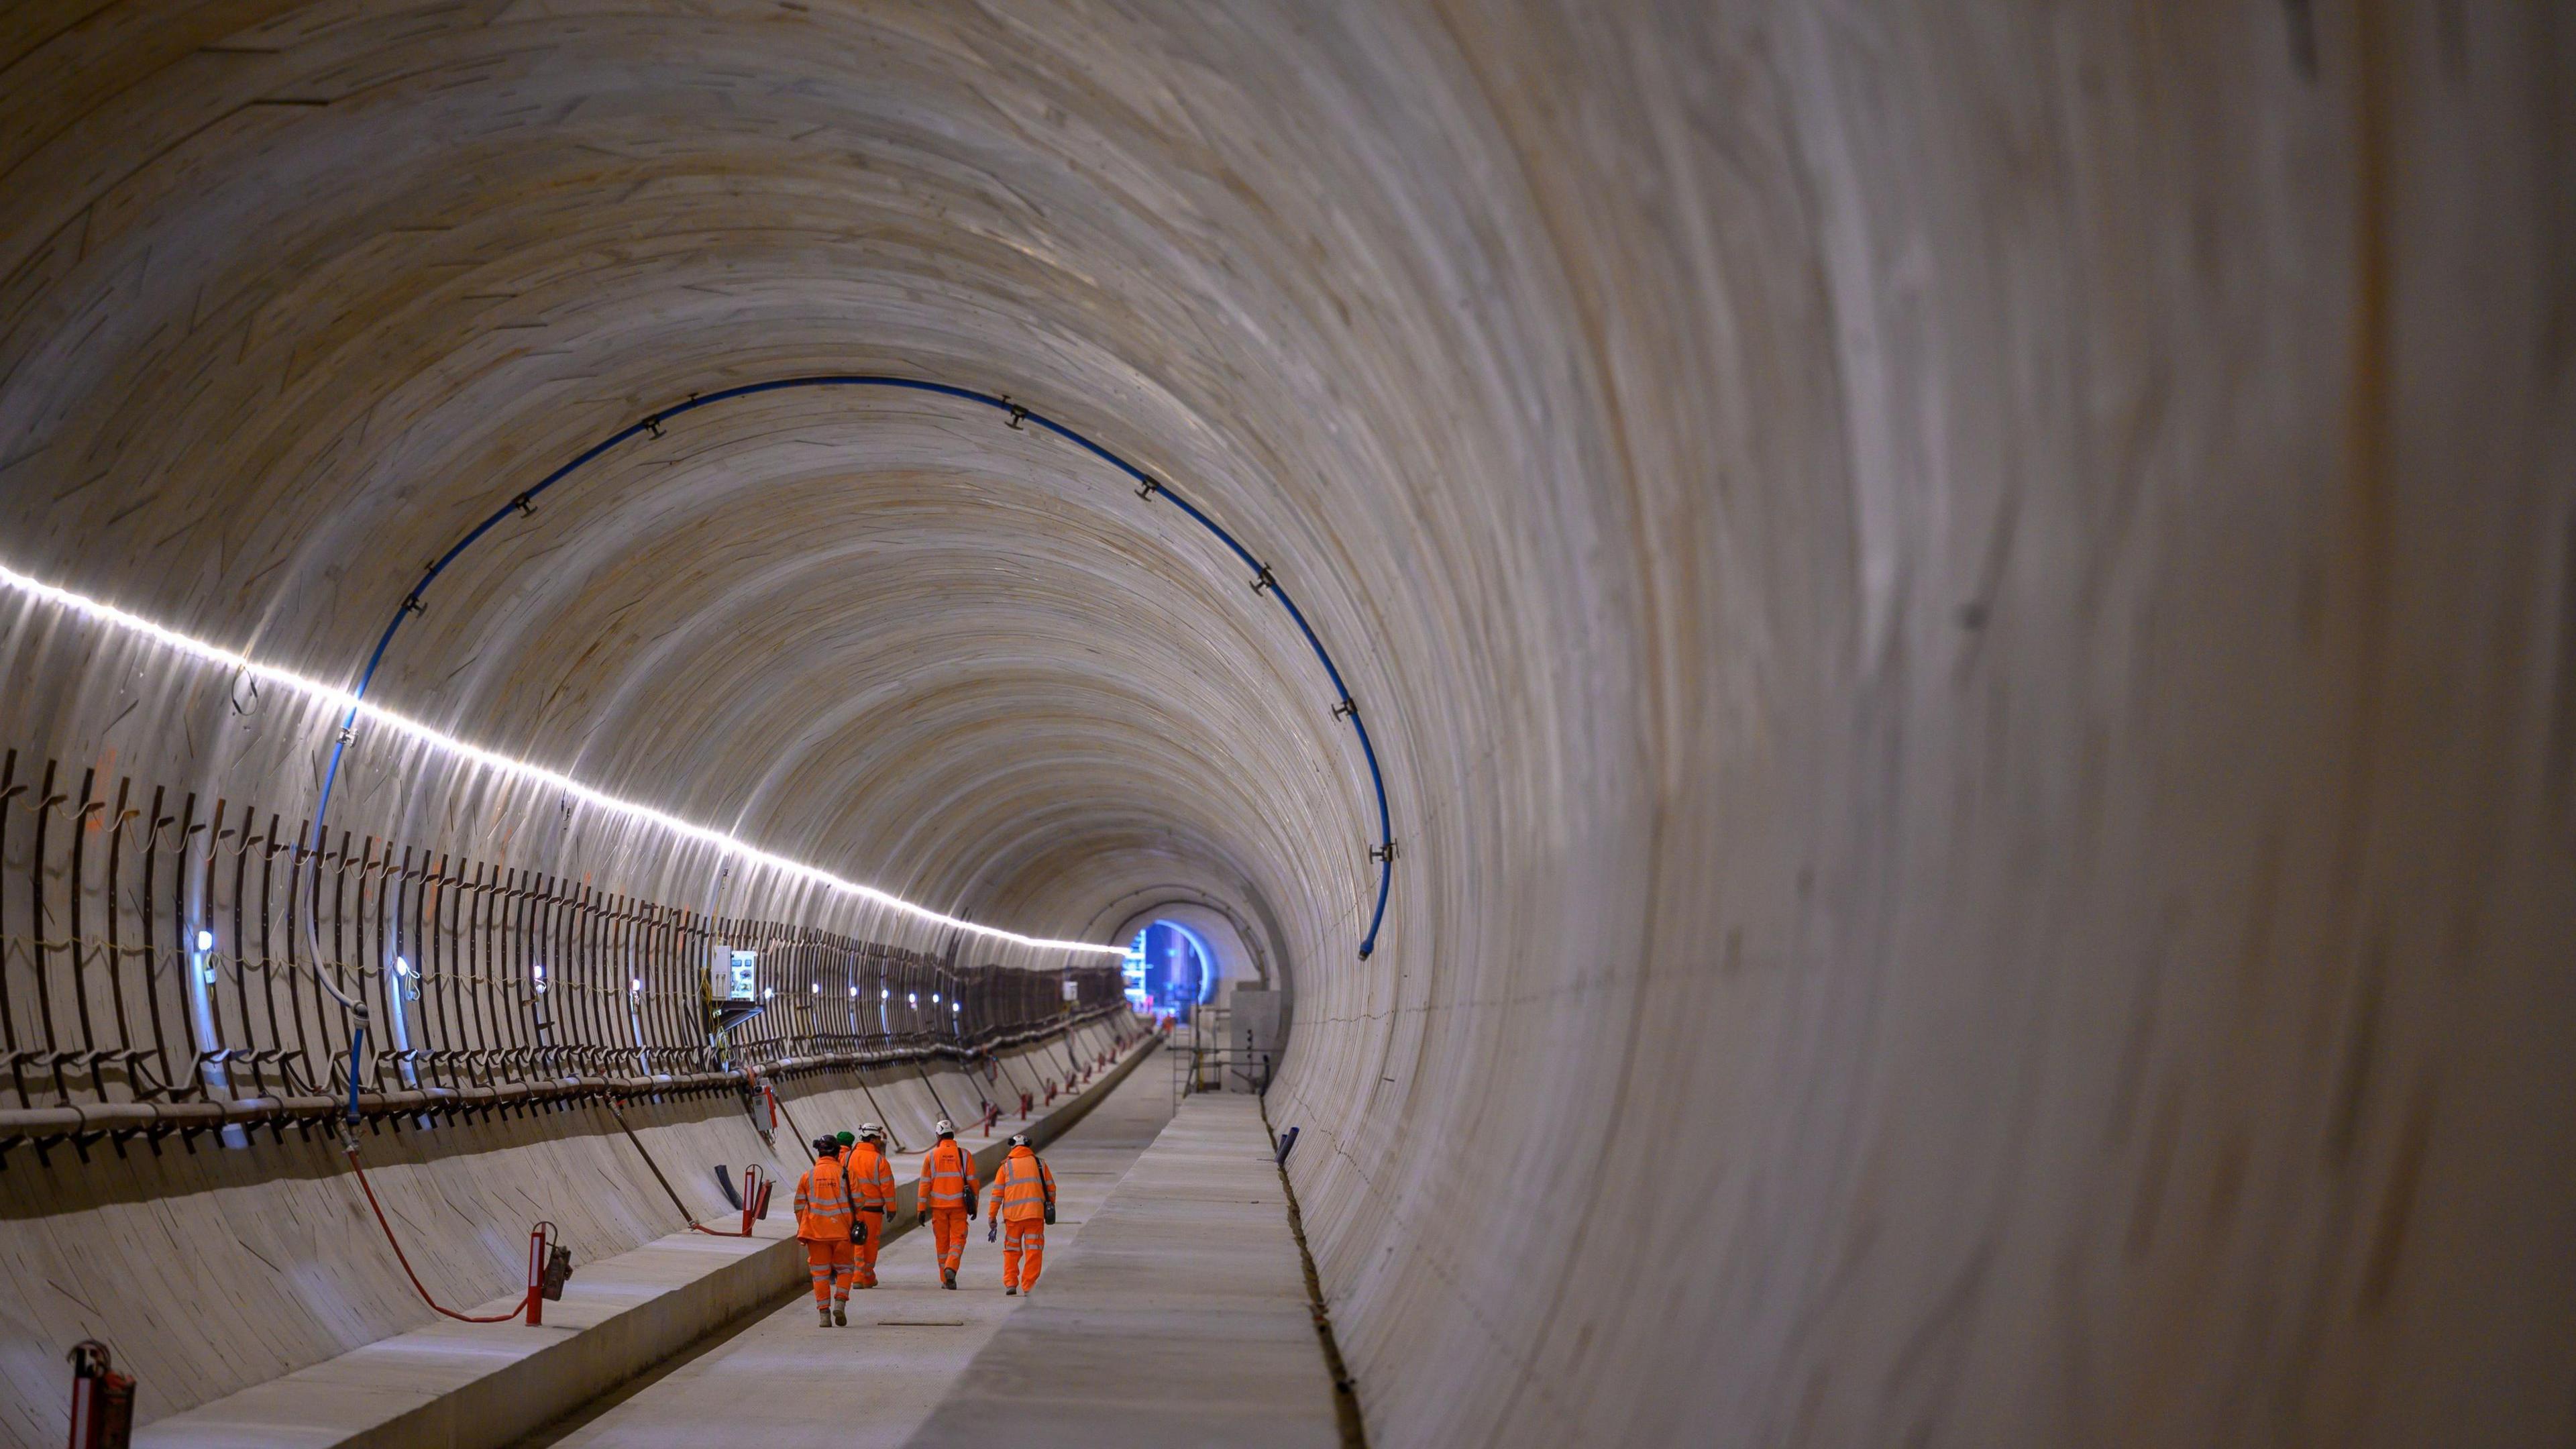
(1148, 487)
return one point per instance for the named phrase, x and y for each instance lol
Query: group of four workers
(842, 1203)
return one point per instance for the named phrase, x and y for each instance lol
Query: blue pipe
(1149, 487)
(357, 1049)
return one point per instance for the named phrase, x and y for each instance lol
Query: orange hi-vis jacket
(1023, 1188)
(870, 1179)
(947, 1177)
(823, 1203)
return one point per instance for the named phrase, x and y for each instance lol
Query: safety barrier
(154, 978)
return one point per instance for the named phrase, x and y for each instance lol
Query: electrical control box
(733, 975)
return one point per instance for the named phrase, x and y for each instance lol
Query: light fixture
(769, 995)
(912, 998)
(934, 998)
(401, 967)
(342, 700)
(540, 973)
(205, 940)
(636, 985)
(854, 993)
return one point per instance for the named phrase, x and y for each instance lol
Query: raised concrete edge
(460, 1386)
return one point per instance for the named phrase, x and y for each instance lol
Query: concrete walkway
(784, 1383)
(1178, 1317)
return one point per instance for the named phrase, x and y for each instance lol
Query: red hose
(406, 1262)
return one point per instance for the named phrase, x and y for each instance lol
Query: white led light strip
(341, 699)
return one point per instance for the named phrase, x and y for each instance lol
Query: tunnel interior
(1890, 690)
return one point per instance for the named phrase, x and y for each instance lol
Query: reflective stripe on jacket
(823, 1203)
(870, 1179)
(947, 1176)
(1023, 1188)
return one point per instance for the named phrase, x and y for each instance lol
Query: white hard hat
(947, 1128)
(870, 1129)
(1019, 1139)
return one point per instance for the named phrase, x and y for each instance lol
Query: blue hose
(357, 1049)
(1344, 705)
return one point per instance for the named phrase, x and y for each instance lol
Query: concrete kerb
(450, 1386)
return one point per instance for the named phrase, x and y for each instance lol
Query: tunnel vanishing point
(1866, 712)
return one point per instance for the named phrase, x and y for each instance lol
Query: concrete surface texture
(1178, 1317)
(448, 1385)
(215, 1271)
(784, 1383)
(1966, 609)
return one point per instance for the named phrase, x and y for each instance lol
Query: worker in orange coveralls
(946, 1199)
(823, 1224)
(1023, 1205)
(871, 1184)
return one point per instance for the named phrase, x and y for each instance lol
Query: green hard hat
(847, 1139)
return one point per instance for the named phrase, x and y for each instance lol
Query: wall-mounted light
(401, 967)
(854, 993)
(540, 973)
(636, 985)
(818, 988)
(912, 998)
(205, 940)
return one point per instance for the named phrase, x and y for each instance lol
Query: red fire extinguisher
(102, 1400)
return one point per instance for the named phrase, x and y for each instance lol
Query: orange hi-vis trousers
(830, 1265)
(864, 1254)
(1023, 1252)
(948, 1230)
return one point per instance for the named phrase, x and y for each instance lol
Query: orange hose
(399, 1256)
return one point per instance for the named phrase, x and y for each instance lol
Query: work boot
(947, 1280)
(823, 1316)
(840, 1316)
(1010, 1292)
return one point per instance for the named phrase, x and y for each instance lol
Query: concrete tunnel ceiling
(1963, 611)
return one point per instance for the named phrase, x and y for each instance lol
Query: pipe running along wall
(1967, 611)
(1147, 487)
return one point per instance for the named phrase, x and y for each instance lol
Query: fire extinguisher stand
(102, 1399)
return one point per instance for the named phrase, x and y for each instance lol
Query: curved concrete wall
(1967, 613)
(209, 1270)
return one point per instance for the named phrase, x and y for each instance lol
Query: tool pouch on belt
(102, 1400)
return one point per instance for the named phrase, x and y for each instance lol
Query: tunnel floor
(921, 1365)
(1180, 1317)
